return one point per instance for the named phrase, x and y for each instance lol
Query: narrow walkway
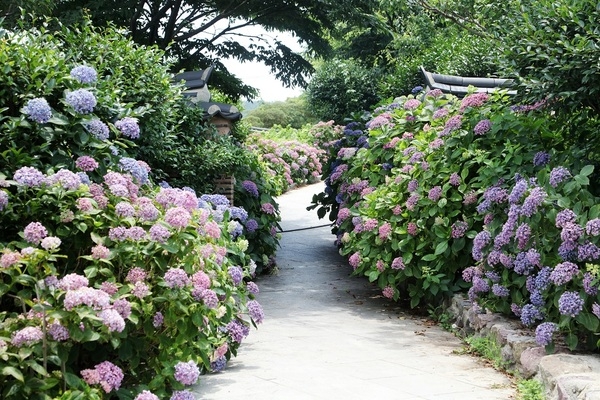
(330, 336)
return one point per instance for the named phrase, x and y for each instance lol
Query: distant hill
(252, 105)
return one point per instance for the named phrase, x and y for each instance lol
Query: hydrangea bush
(288, 163)
(157, 278)
(538, 252)
(403, 188)
(111, 286)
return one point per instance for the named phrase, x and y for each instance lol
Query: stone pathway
(327, 335)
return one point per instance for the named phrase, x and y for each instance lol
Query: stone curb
(564, 375)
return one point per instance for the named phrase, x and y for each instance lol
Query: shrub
(524, 269)
(403, 190)
(340, 88)
(120, 271)
(288, 162)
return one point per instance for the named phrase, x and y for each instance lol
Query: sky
(259, 76)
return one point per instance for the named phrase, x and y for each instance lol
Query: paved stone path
(327, 335)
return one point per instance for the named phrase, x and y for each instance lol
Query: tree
(293, 112)
(196, 34)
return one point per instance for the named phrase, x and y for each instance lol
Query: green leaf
(442, 203)
(15, 373)
(430, 257)
(441, 248)
(571, 341)
(373, 275)
(589, 321)
(587, 170)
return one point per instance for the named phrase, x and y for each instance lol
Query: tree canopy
(198, 33)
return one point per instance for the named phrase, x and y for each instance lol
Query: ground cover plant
(111, 286)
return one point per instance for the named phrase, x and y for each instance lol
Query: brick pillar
(224, 185)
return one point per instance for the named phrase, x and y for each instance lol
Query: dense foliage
(112, 286)
(293, 112)
(432, 185)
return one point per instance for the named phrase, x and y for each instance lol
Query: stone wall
(565, 375)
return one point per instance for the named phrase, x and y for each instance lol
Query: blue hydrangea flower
(82, 100)
(84, 74)
(570, 303)
(541, 158)
(97, 128)
(219, 364)
(128, 127)
(544, 332)
(136, 170)
(38, 110)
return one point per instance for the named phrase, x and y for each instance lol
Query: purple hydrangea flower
(530, 314)
(533, 201)
(481, 240)
(86, 163)
(3, 199)
(541, 158)
(176, 278)
(27, 336)
(483, 127)
(256, 311)
(251, 188)
(84, 74)
(58, 332)
(35, 232)
(210, 298)
(112, 320)
(29, 176)
(106, 374)
(544, 332)
(252, 288)
(435, 193)
(158, 319)
(570, 303)
(565, 216)
(183, 395)
(132, 166)
(218, 364)
(146, 395)
(124, 209)
(500, 291)
(38, 110)
(177, 217)
(237, 330)
(559, 175)
(128, 127)
(159, 233)
(82, 100)
(236, 274)
(187, 372)
(588, 252)
(98, 129)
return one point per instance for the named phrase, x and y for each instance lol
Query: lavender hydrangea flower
(106, 374)
(35, 232)
(565, 216)
(84, 74)
(112, 320)
(38, 110)
(482, 127)
(135, 169)
(158, 319)
(98, 129)
(530, 314)
(182, 395)
(251, 225)
(236, 274)
(82, 100)
(176, 278)
(159, 233)
(544, 332)
(177, 217)
(237, 330)
(252, 288)
(251, 188)
(500, 291)
(3, 199)
(218, 364)
(435, 193)
(481, 240)
(146, 395)
(27, 336)
(128, 127)
(592, 227)
(570, 303)
(533, 201)
(256, 311)
(29, 176)
(187, 372)
(210, 299)
(518, 190)
(559, 175)
(541, 158)
(58, 332)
